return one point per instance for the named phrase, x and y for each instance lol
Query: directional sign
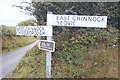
(77, 20)
(46, 45)
(34, 30)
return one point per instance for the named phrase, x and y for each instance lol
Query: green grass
(86, 55)
(32, 65)
(12, 43)
(92, 64)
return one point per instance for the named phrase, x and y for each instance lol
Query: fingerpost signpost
(77, 20)
(34, 30)
(59, 20)
(73, 21)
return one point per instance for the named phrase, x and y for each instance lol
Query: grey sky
(9, 15)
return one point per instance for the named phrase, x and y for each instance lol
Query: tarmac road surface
(10, 59)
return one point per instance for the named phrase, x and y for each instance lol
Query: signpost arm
(48, 56)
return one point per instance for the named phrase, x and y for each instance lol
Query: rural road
(10, 59)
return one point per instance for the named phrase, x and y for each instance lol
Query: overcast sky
(9, 15)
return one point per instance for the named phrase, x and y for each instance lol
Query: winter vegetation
(80, 52)
(10, 41)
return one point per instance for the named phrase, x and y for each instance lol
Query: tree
(39, 9)
(27, 23)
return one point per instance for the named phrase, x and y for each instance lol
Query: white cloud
(11, 15)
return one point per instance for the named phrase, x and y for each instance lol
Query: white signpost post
(73, 21)
(48, 55)
(59, 20)
(47, 45)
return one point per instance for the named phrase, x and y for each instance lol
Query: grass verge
(11, 43)
(92, 64)
(32, 65)
(89, 64)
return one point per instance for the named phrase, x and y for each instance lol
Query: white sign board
(77, 20)
(34, 30)
(46, 45)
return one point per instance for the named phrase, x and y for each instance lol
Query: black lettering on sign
(61, 18)
(89, 19)
(103, 19)
(35, 31)
(19, 30)
(66, 23)
(31, 31)
(43, 28)
(41, 31)
(84, 18)
(94, 19)
(98, 19)
(59, 22)
(57, 18)
(69, 23)
(76, 18)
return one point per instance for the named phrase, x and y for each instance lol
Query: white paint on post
(48, 61)
(48, 56)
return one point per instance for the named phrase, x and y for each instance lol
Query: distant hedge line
(7, 31)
